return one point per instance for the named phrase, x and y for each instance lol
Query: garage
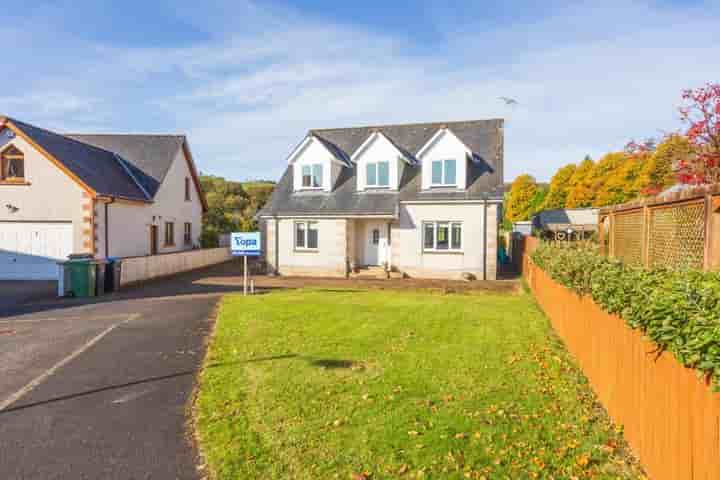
(30, 250)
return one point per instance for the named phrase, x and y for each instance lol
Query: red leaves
(701, 111)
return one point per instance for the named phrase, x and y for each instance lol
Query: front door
(376, 243)
(153, 240)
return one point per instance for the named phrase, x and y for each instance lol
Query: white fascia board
(435, 138)
(371, 138)
(299, 149)
(304, 144)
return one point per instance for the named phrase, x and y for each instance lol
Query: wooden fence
(671, 419)
(680, 230)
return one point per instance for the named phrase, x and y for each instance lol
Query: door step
(375, 273)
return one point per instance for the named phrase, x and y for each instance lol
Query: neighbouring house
(421, 199)
(566, 223)
(104, 195)
(523, 227)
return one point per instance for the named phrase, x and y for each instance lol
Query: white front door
(376, 243)
(30, 251)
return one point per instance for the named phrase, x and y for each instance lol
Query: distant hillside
(232, 206)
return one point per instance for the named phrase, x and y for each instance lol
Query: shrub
(679, 310)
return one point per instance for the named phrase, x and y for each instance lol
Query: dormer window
(444, 173)
(378, 174)
(12, 165)
(312, 176)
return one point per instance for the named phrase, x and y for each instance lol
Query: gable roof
(484, 177)
(479, 136)
(130, 167)
(332, 149)
(406, 157)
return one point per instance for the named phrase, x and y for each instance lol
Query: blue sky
(245, 80)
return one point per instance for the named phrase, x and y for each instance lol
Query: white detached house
(421, 199)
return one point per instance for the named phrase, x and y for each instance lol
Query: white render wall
(329, 260)
(407, 241)
(145, 268)
(314, 152)
(445, 147)
(51, 196)
(129, 225)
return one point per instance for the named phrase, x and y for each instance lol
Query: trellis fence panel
(678, 232)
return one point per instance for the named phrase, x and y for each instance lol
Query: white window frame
(442, 173)
(375, 165)
(312, 166)
(450, 224)
(306, 224)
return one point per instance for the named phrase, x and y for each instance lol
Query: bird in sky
(508, 100)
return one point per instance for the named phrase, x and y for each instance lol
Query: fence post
(645, 252)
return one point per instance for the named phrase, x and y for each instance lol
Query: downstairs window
(306, 236)
(442, 236)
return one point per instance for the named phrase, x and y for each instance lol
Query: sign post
(245, 244)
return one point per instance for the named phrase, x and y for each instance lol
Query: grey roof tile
(483, 137)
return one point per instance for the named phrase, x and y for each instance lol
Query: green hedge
(678, 310)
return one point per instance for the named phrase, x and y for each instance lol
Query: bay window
(444, 173)
(312, 175)
(442, 236)
(377, 174)
(306, 236)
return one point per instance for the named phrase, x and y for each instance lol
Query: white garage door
(29, 251)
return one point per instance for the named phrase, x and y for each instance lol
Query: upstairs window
(442, 236)
(187, 189)
(312, 176)
(444, 173)
(12, 165)
(378, 174)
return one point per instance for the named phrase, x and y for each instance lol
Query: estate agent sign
(245, 244)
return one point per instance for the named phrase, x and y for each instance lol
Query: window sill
(370, 187)
(309, 189)
(14, 182)
(167, 245)
(439, 185)
(306, 250)
(452, 252)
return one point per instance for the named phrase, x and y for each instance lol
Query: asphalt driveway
(101, 388)
(14, 293)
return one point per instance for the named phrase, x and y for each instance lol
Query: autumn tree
(521, 199)
(559, 188)
(701, 112)
(658, 170)
(580, 193)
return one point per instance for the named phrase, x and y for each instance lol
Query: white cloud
(587, 78)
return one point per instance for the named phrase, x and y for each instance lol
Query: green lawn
(315, 384)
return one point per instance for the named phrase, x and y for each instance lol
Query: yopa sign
(245, 244)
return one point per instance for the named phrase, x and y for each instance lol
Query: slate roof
(483, 137)
(126, 166)
(151, 155)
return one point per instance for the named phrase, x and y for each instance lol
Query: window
(444, 173)
(378, 174)
(442, 236)
(306, 236)
(376, 236)
(188, 234)
(187, 189)
(169, 234)
(312, 176)
(12, 165)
